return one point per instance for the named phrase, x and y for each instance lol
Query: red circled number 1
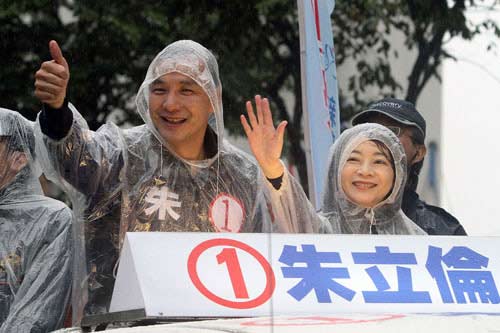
(226, 216)
(228, 256)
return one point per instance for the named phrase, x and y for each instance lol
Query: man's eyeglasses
(396, 130)
(399, 132)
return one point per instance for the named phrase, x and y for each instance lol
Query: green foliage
(23, 24)
(109, 44)
(425, 24)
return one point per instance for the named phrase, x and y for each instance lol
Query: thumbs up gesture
(51, 80)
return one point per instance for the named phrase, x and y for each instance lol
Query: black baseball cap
(401, 111)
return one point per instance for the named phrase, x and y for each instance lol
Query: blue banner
(319, 89)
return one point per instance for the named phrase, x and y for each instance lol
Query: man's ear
(19, 161)
(420, 154)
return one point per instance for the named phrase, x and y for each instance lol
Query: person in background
(35, 237)
(408, 124)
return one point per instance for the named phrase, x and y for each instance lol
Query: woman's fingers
(246, 126)
(258, 107)
(261, 119)
(280, 133)
(268, 116)
(251, 115)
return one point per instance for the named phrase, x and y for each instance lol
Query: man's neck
(194, 152)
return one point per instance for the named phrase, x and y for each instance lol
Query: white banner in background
(240, 275)
(319, 89)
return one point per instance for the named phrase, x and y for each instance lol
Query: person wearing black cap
(408, 124)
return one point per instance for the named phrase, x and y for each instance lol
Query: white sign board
(342, 323)
(232, 275)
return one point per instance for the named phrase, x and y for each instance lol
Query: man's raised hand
(51, 80)
(265, 141)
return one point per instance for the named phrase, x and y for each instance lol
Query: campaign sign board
(336, 323)
(236, 275)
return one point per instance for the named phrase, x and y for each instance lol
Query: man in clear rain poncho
(174, 173)
(35, 237)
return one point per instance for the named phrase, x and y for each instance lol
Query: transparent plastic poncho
(386, 216)
(35, 237)
(123, 180)
(289, 203)
(340, 214)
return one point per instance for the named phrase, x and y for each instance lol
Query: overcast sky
(471, 133)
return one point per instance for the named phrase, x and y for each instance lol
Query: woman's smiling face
(367, 176)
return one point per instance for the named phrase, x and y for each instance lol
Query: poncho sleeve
(43, 293)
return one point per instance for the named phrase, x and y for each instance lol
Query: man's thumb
(56, 53)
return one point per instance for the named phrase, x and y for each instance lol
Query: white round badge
(226, 213)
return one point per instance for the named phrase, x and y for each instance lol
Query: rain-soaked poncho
(123, 180)
(290, 202)
(35, 237)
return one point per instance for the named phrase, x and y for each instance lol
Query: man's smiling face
(180, 109)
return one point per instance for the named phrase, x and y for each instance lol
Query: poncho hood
(386, 215)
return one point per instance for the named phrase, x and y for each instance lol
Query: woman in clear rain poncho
(35, 237)
(344, 202)
(353, 204)
(175, 173)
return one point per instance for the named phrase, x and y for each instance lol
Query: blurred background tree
(109, 44)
